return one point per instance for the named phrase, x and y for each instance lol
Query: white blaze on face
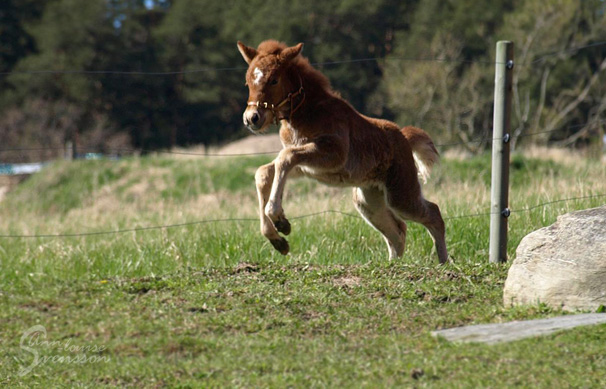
(258, 76)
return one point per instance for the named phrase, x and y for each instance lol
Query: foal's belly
(340, 178)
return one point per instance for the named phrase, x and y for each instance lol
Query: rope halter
(275, 108)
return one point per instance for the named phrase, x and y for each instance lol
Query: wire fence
(540, 58)
(305, 216)
(215, 154)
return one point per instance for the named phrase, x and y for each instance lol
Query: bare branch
(578, 100)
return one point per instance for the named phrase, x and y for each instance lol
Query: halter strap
(275, 109)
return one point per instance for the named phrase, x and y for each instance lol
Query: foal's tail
(423, 150)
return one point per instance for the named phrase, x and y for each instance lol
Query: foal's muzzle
(254, 118)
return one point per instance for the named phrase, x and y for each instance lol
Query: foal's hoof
(281, 245)
(282, 225)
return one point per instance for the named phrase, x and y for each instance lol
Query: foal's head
(274, 93)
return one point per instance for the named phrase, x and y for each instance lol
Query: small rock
(244, 267)
(417, 373)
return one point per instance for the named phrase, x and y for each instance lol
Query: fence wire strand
(299, 217)
(206, 154)
(540, 58)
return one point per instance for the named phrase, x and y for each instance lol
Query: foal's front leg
(327, 155)
(264, 179)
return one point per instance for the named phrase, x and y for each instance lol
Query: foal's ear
(248, 53)
(291, 52)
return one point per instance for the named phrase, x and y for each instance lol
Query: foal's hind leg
(428, 214)
(404, 198)
(370, 202)
(264, 178)
(432, 220)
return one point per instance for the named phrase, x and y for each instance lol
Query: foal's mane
(314, 78)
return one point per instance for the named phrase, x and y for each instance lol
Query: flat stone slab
(507, 332)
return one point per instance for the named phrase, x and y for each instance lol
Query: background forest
(155, 74)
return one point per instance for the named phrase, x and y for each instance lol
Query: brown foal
(325, 138)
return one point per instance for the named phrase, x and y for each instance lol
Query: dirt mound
(253, 144)
(7, 183)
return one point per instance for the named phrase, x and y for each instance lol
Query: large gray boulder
(563, 265)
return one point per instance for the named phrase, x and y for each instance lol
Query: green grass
(213, 305)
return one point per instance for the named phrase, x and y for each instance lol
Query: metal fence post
(68, 154)
(499, 192)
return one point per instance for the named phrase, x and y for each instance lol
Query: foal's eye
(273, 81)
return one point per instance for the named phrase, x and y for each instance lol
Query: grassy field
(212, 304)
